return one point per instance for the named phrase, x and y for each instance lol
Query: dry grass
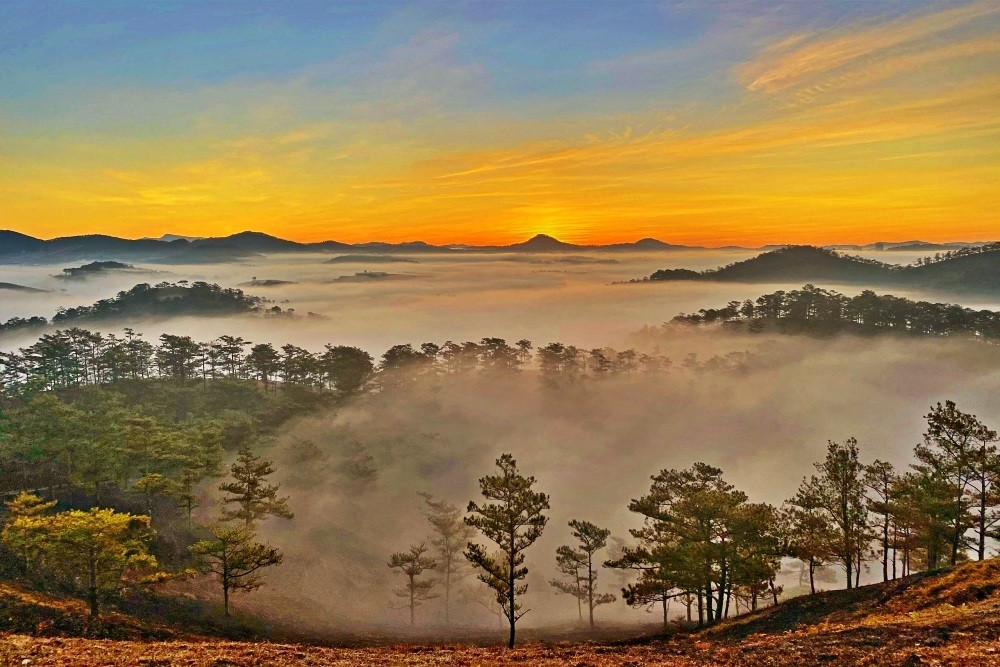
(949, 618)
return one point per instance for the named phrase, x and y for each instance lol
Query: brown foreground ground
(947, 618)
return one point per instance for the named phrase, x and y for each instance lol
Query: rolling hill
(972, 269)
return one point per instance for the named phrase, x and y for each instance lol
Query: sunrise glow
(698, 124)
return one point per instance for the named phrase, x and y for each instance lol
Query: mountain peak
(542, 242)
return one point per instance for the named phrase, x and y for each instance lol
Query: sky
(708, 123)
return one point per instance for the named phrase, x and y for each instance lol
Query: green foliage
(839, 493)
(250, 498)
(686, 545)
(958, 459)
(101, 547)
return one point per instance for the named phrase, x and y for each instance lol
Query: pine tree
(252, 498)
(451, 534)
(236, 559)
(953, 443)
(570, 563)
(591, 540)
(514, 521)
(413, 563)
(840, 493)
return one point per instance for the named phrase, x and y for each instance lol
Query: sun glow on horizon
(725, 126)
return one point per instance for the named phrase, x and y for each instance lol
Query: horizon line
(492, 245)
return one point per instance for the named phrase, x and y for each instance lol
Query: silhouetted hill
(21, 248)
(967, 269)
(543, 243)
(792, 263)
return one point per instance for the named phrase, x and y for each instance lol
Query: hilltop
(946, 617)
(158, 301)
(974, 268)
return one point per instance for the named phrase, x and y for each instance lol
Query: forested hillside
(160, 301)
(968, 269)
(820, 311)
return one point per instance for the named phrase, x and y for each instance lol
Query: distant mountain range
(16, 247)
(972, 268)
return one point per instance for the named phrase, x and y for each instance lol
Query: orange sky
(880, 127)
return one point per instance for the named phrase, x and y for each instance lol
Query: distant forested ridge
(815, 310)
(973, 268)
(160, 301)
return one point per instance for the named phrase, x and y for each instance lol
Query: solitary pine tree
(234, 556)
(513, 521)
(251, 498)
(451, 534)
(413, 563)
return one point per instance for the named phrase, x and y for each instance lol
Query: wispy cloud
(802, 60)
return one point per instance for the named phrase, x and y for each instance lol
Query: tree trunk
(885, 547)
(982, 518)
(92, 588)
(225, 581)
(412, 600)
(447, 593)
(511, 610)
(590, 588)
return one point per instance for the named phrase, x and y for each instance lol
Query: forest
(112, 466)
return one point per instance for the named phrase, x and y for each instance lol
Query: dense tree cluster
(162, 300)
(77, 357)
(702, 542)
(815, 310)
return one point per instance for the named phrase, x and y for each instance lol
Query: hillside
(973, 269)
(944, 618)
